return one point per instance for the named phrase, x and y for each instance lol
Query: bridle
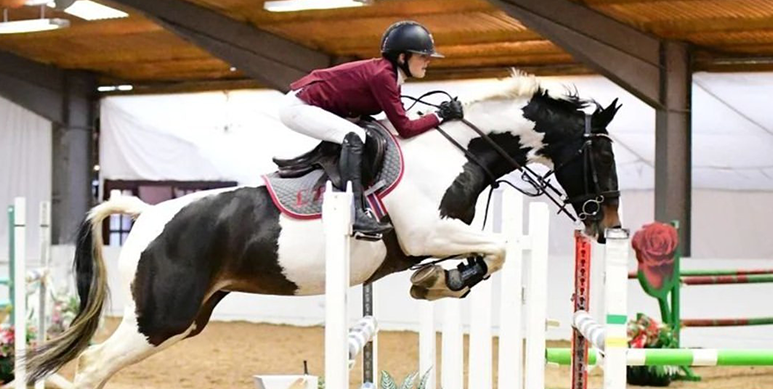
(592, 198)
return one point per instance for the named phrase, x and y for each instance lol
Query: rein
(591, 200)
(541, 184)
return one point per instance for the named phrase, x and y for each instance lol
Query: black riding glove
(450, 110)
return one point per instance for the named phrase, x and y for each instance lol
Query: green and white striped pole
(675, 357)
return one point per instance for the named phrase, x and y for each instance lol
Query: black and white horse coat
(184, 255)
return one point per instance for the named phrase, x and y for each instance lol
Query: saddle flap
(298, 186)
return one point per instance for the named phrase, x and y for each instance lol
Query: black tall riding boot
(365, 224)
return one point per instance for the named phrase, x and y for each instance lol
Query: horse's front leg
(451, 237)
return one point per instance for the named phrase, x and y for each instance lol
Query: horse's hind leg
(124, 347)
(127, 346)
(206, 311)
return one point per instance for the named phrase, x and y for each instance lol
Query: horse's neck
(442, 172)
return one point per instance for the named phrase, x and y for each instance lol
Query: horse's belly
(301, 255)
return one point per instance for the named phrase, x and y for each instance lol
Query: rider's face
(418, 64)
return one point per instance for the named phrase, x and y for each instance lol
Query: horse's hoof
(430, 277)
(420, 293)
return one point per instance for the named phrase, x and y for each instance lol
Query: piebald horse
(185, 255)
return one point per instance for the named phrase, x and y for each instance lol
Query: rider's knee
(287, 114)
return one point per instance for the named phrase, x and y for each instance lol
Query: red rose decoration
(655, 245)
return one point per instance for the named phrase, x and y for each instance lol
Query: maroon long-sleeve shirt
(360, 88)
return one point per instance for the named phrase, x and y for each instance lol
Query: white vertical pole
(511, 299)
(480, 363)
(427, 337)
(452, 372)
(45, 259)
(20, 292)
(337, 224)
(616, 294)
(597, 271)
(370, 351)
(374, 341)
(537, 290)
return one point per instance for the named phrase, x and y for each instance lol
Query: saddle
(326, 155)
(298, 186)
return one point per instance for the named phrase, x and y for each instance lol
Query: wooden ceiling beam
(455, 73)
(268, 58)
(504, 61)
(502, 48)
(629, 57)
(601, 3)
(352, 45)
(744, 49)
(174, 70)
(679, 28)
(43, 89)
(133, 58)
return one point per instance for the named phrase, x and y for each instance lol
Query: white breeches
(314, 121)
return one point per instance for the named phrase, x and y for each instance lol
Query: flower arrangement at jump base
(388, 382)
(646, 332)
(65, 307)
(7, 335)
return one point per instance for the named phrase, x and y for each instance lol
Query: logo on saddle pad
(297, 189)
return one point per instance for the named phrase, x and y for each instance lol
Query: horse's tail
(91, 276)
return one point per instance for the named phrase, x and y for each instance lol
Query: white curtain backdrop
(25, 169)
(201, 136)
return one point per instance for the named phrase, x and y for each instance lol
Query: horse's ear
(605, 115)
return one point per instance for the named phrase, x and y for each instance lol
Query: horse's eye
(606, 159)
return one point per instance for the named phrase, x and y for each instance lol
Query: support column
(673, 141)
(68, 100)
(72, 158)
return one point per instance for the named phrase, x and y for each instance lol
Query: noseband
(592, 198)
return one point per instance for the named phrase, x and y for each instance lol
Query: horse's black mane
(569, 103)
(564, 115)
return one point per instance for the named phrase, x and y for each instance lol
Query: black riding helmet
(407, 37)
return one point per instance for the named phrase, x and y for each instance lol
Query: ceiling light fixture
(58, 4)
(305, 5)
(32, 25)
(113, 88)
(89, 10)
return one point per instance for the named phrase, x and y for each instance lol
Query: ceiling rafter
(627, 56)
(270, 59)
(41, 88)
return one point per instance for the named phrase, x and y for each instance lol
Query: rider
(319, 104)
